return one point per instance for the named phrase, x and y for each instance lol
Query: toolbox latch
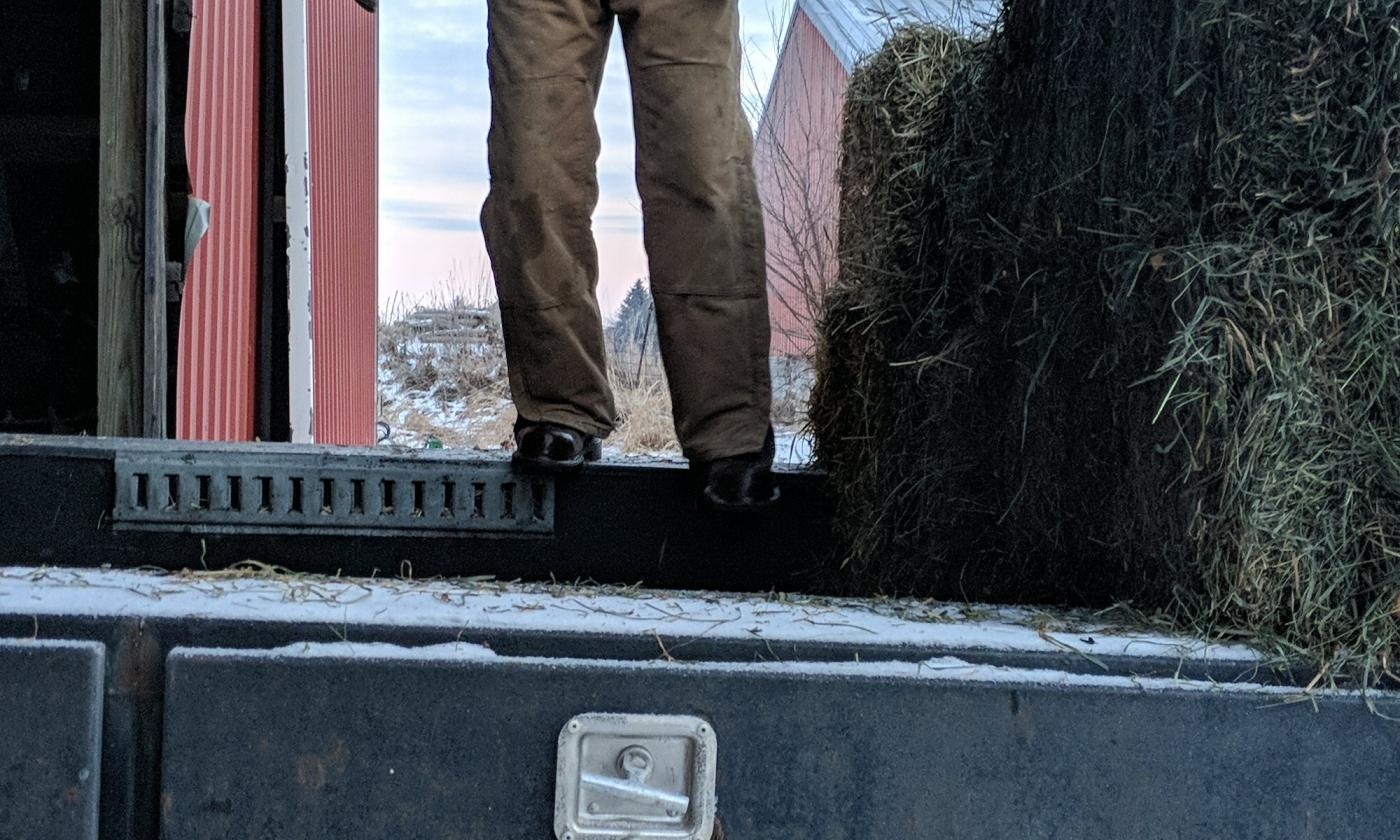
(635, 777)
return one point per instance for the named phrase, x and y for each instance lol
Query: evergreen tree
(635, 323)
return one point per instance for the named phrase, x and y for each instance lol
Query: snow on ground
(422, 397)
(794, 446)
(424, 403)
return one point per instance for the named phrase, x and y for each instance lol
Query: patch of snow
(794, 447)
(53, 644)
(431, 408)
(542, 608)
(943, 669)
(613, 454)
(371, 651)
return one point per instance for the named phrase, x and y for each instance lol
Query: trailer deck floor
(672, 623)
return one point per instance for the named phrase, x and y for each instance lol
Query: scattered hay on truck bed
(1118, 317)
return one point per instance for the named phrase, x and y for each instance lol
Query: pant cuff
(728, 446)
(571, 419)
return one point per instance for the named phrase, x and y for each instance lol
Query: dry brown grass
(644, 424)
(415, 353)
(792, 390)
(644, 417)
(459, 392)
(443, 368)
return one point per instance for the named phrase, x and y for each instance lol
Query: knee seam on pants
(662, 65)
(518, 307)
(737, 293)
(533, 80)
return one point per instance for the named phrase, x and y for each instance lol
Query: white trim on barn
(856, 28)
(301, 359)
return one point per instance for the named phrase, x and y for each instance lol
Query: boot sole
(592, 451)
(720, 506)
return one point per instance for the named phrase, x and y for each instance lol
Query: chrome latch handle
(639, 777)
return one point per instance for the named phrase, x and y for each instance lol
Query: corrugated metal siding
(342, 41)
(214, 394)
(796, 160)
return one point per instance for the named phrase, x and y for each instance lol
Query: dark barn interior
(49, 98)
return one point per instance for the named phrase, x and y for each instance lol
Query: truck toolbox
(248, 693)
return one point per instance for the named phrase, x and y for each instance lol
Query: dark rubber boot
(742, 483)
(549, 447)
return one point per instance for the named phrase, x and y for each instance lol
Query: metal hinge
(226, 492)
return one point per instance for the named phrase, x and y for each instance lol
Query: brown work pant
(702, 225)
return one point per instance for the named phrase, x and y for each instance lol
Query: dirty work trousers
(702, 225)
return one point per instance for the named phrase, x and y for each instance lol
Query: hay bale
(1118, 317)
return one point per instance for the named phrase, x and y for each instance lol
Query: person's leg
(702, 222)
(545, 59)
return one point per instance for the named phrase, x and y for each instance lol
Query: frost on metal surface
(54, 644)
(940, 669)
(606, 611)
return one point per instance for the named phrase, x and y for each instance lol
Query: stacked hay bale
(1119, 316)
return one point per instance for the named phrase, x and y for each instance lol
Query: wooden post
(155, 267)
(121, 205)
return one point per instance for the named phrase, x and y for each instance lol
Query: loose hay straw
(1118, 318)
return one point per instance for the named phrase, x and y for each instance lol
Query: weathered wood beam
(122, 200)
(155, 352)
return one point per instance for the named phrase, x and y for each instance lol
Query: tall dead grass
(443, 375)
(644, 420)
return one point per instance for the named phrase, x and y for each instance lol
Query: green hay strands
(1118, 318)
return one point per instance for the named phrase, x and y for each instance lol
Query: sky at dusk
(434, 114)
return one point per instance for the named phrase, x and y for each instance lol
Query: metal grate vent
(221, 491)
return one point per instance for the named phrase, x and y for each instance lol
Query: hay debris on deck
(1118, 317)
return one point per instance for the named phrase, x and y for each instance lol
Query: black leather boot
(742, 483)
(550, 447)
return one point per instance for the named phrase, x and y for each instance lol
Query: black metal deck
(142, 705)
(613, 523)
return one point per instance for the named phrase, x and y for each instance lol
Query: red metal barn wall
(342, 42)
(216, 356)
(214, 391)
(796, 159)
